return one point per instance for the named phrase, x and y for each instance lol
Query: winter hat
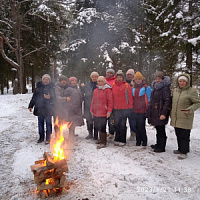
(94, 74)
(120, 73)
(62, 77)
(46, 76)
(183, 78)
(138, 75)
(110, 70)
(101, 78)
(159, 74)
(72, 78)
(130, 71)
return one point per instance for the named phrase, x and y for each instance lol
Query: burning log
(49, 175)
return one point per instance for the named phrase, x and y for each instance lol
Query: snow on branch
(2, 21)
(33, 51)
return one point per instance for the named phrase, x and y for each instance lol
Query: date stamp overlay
(164, 189)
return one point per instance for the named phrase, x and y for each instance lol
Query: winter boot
(133, 136)
(90, 135)
(161, 145)
(103, 139)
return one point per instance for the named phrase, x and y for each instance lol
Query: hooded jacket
(110, 80)
(184, 98)
(160, 103)
(102, 101)
(43, 107)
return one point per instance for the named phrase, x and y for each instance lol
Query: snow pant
(183, 139)
(91, 127)
(41, 121)
(120, 117)
(161, 137)
(131, 121)
(140, 130)
(111, 126)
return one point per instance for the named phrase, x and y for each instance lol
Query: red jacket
(102, 101)
(122, 95)
(110, 80)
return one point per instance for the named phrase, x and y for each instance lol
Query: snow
(120, 173)
(194, 41)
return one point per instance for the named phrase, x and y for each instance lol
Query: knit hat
(94, 74)
(62, 77)
(183, 78)
(120, 73)
(72, 78)
(111, 71)
(46, 76)
(101, 78)
(130, 71)
(159, 74)
(138, 75)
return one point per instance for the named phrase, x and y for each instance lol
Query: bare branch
(34, 14)
(4, 38)
(33, 51)
(13, 63)
(2, 21)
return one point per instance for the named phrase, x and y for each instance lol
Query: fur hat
(101, 78)
(46, 76)
(111, 71)
(159, 74)
(94, 74)
(120, 73)
(138, 75)
(183, 78)
(130, 71)
(62, 77)
(72, 78)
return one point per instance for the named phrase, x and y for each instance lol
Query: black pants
(111, 126)
(161, 137)
(100, 124)
(120, 117)
(183, 139)
(139, 126)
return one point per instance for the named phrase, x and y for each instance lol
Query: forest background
(76, 37)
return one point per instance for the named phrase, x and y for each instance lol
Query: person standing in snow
(185, 101)
(110, 79)
(87, 92)
(159, 109)
(74, 98)
(61, 105)
(130, 80)
(43, 103)
(122, 105)
(101, 108)
(141, 96)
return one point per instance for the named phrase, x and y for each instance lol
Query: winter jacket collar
(73, 86)
(104, 87)
(140, 85)
(93, 85)
(120, 83)
(164, 83)
(110, 78)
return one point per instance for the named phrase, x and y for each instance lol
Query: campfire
(49, 172)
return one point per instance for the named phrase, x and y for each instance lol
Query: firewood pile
(49, 175)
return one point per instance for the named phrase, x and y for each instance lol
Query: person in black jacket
(159, 109)
(43, 103)
(87, 92)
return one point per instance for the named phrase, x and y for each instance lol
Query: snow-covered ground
(112, 173)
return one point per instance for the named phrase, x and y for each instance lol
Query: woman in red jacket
(122, 105)
(101, 108)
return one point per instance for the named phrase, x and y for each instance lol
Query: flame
(58, 152)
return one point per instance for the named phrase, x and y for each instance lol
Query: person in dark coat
(61, 109)
(130, 80)
(159, 109)
(43, 103)
(74, 98)
(87, 93)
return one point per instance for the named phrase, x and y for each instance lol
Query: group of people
(112, 100)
